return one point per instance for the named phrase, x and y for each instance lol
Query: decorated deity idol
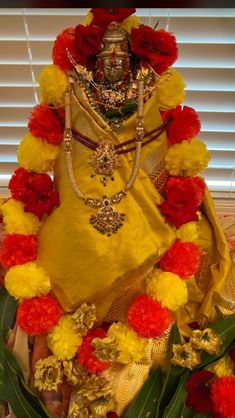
(111, 238)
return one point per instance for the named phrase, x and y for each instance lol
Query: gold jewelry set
(107, 219)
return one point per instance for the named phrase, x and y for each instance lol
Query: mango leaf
(7, 312)
(11, 360)
(187, 412)
(145, 402)
(225, 328)
(2, 380)
(173, 375)
(14, 390)
(34, 400)
(20, 407)
(176, 406)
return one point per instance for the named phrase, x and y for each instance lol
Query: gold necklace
(107, 219)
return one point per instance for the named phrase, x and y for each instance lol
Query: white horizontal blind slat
(206, 39)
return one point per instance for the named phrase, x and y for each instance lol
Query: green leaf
(19, 405)
(203, 416)
(173, 375)
(176, 406)
(187, 412)
(225, 328)
(11, 360)
(2, 380)
(23, 401)
(34, 400)
(145, 402)
(7, 312)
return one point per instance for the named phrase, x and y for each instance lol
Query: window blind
(206, 40)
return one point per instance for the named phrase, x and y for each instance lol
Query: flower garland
(71, 337)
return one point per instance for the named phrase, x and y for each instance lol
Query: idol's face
(113, 69)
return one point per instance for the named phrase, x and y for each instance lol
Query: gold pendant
(107, 219)
(104, 161)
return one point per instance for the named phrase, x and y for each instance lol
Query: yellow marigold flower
(130, 345)
(63, 340)
(188, 158)
(188, 232)
(222, 367)
(130, 23)
(167, 288)
(17, 221)
(52, 85)
(35, 154)
(26, 281)
(170, 89)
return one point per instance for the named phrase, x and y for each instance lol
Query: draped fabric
(108, 271)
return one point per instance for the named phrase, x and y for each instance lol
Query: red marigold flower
(85, 354)
(37, 316)
(183, 258)
(87, 44)
(47, 124)
(177, 185)
(103, 16)
(183, 197)
(199, 397)
(65, 40)
(180, 211)
(18, 249)
(147, 317)
(185, 124)
(112, 415)
(156, 48)
(34, 190)
(222, 394)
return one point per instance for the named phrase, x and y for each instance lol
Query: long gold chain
(107, 219)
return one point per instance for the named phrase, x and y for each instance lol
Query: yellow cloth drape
(86, 266)
(83, 264)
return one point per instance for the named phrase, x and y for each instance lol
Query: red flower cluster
(85, 354)
(47, 124)
(104, 16)
(222, 394)
(39, 315)
(147, 317)
(156, 48)
(183, 197)
(183, 258)
(34, 190)
(199, 396)
(18, 249)
(112, 415)
(64, 41)
(87, 44)
(185, 124)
